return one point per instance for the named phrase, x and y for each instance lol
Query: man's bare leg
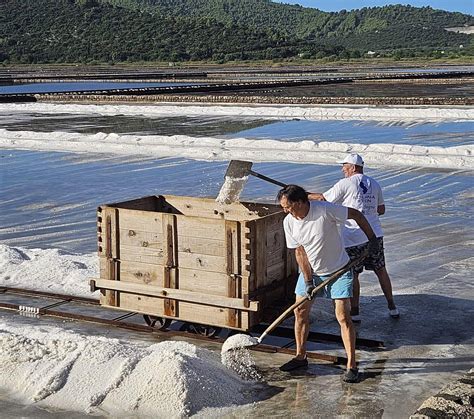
(302, 326)
(386, 286)
(347, 329)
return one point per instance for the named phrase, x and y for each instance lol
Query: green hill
(301, 21)
(49, 31)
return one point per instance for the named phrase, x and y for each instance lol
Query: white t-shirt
(319, 234)
(364, 194)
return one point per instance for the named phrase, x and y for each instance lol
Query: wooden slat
(189, 312)
(142, 254)
(213, 283)
(211, 315)
(111, 252)
(170, 260)
(200, 245)
(200, 227)
(209, 208)
(148, 221)
(142, 304)
(177, 294)
(141, 273)
(202, 262)
(260, 254)
(138, 238)
(233, 267)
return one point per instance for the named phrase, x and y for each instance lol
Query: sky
(463, 6)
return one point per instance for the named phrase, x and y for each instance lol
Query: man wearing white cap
(363, 193)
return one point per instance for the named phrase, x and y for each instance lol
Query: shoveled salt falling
(231, 189)
(236, 356)
(238, 341)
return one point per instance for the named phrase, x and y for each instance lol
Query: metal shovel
(250, 341)
(236, 176)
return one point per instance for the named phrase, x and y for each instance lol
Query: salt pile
(321, 112)
(51, 270)
(62, 369)
(215, 148)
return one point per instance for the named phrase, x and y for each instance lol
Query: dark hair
(293, 193)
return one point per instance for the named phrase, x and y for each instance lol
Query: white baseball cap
(353, 159)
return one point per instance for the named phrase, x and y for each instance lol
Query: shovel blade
(238, 169)
(236, 176)
(239, 341)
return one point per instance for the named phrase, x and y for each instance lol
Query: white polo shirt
(319, 234)
(364, 194)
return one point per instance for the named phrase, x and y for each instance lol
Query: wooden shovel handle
(332, 278)
(268, 179)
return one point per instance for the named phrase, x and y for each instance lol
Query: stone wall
(456, 400)
(283, 100)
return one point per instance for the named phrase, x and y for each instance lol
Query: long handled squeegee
(236, 176)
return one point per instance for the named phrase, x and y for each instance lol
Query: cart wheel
(199, 329)
(158, 322)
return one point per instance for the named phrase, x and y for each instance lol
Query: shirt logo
(363, 187)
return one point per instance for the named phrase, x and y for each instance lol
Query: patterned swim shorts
(372, 262)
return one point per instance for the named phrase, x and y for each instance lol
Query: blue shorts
(341, 288)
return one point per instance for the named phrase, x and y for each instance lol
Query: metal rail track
(37, 305)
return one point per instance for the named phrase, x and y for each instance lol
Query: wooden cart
(194, 260)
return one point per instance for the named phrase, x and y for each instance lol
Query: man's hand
(373, 246)
(309, 290)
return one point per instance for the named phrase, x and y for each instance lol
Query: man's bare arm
(361, 221)
(303, 263)
(316, 196)
(381, 209)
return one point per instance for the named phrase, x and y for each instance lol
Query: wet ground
(418, 360)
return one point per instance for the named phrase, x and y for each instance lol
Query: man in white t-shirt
(312, 229)
(363, 193)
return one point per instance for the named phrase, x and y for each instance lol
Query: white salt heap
(216, 148)
(314, 112)
(231, 189)
(51, 270)
(66, 370)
